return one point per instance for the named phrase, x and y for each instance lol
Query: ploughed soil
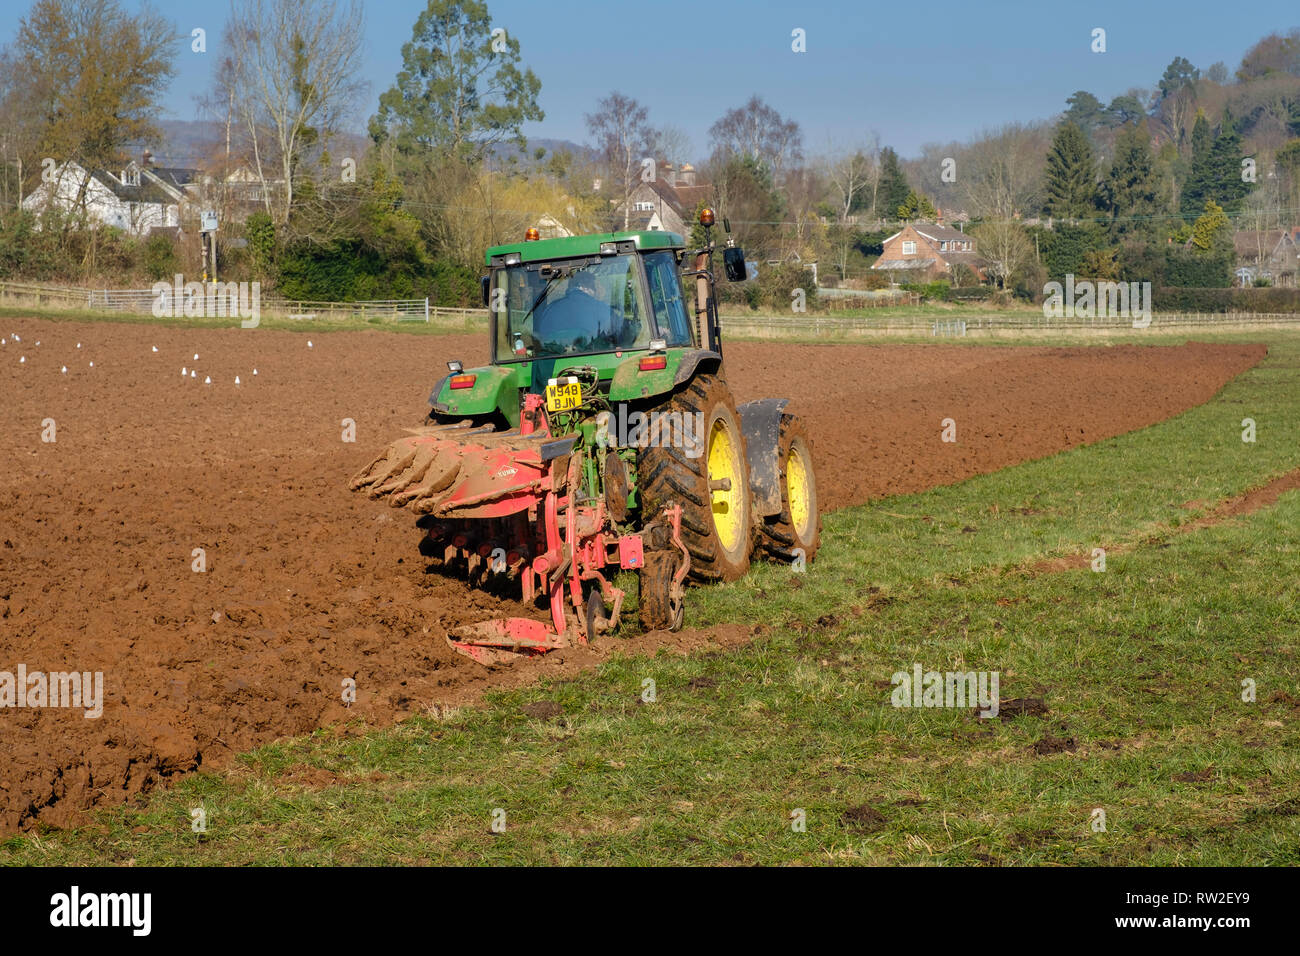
(307, 584)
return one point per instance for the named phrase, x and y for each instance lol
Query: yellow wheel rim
(798, 491)
(728, 504)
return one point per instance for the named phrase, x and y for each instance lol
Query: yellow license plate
(563, 395)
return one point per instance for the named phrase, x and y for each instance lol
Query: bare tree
(623, 138)
(293, 81)
(853, 172)
(1005, 246)
(671, 143)
(1001, 173)
(759, 132)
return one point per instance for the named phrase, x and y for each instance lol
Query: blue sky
(915, 73)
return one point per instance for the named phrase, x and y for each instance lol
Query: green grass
(1141, 668)
(441, 326)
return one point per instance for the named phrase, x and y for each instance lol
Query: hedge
(1180, 299)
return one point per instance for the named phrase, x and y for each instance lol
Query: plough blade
(502, 641)
(475, 474)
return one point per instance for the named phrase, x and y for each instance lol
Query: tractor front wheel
(796, 533)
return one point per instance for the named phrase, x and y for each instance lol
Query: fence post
(426, 310)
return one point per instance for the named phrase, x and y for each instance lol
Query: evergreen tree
(1071, 176)
(1198, 179)
(1086, 111)
(1216, 169)
(1130, 189)
(1212, 232)
(893, 189)
(1227, 186)
(916, 206)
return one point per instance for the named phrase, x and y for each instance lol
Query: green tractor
(602, 436)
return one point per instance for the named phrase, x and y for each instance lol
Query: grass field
(1139, 670)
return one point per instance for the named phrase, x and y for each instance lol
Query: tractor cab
(609, 309)
(558, 300)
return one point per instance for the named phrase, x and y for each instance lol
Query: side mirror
(485, 282)
(733, 260)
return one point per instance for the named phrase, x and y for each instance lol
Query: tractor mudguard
(494, 390)
(760, 422)
(690, 362)
(631, 384)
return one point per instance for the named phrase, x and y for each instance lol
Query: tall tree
(853, 173)
(1070, 186)
(1177, 97)
(1001, 171)
(893, 188)
(759, 132)
(1130, 189)
(1085, 112)
(1216, 171)
(293, 81)
(747, 196)
(624, 139)
(461, 89)
(93, 76)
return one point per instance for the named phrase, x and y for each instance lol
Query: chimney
(938, 216)
(146, 158)
(688, 175)
(670, 174)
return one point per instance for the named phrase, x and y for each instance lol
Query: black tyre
(656, 608)
(717, 523)
(797, 530)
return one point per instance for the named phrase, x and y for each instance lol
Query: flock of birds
(186, 371)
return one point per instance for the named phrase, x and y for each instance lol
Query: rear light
(652, 362)
(463, 381)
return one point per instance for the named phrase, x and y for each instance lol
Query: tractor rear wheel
(795, 533)
(710, 479)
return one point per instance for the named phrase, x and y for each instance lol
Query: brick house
(924, 251)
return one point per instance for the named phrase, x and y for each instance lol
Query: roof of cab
(542, 249)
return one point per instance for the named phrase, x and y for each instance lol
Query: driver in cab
(578, 318)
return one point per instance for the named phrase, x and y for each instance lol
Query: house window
(943, 245)
(131, 177)
(645, 207)
(909, 247)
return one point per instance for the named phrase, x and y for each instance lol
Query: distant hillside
(188, 143)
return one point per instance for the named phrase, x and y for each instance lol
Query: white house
(135, 199)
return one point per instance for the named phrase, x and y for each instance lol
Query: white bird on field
(207, 380)
(236, 379)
